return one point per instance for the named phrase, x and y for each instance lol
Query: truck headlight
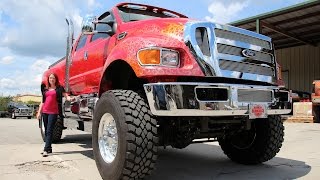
(159, 56)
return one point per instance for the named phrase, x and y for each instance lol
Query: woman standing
(51, 108)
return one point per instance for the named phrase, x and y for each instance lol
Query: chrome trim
(189, 36)
(85, 56)
(211, 65)
(179, 99)
(273, 100)
(122, 36)
(68, 52)
(242, 31)
(242, 37)
(239, 44)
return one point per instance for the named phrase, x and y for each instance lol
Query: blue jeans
(49, 121)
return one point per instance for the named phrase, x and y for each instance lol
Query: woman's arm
(39, 111)
(68, 98)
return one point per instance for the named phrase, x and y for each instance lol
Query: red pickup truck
(149, 77)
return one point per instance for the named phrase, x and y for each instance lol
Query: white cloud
(25, 81)
(41, 30)
(7, 60)
(33, 36)
(225, 11)
(40, 65)
(7, 83)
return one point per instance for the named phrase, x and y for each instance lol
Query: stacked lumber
(302, 113)
(300, 119)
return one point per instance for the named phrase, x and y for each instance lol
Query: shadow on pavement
(82, 140)
(203, 161)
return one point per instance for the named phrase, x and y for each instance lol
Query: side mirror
(87, 24)
(101, 27)
(91, 24)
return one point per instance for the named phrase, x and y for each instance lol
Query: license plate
(257, 111)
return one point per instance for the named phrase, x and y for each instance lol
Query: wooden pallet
(300, 119)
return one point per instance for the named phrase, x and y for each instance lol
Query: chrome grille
(260, 63)
(245, 67)
(249, 95)
(231, 52)
(24, 110)
(237, 51)
(242, 38)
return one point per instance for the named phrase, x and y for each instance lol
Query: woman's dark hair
(57, 80)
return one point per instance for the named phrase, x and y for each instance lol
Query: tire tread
(266, 147)
(141, 135)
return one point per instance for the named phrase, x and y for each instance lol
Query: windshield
(18, 105)
(128, 14)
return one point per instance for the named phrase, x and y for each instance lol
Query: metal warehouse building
(295, 32)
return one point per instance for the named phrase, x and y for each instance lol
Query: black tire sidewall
(42, 131)
(108, 103)
(57, 131)
(267, 143)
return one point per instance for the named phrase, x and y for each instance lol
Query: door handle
(85, 57)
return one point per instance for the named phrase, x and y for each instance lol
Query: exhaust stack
(68, 53)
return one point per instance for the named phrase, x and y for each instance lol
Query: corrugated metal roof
(288, 27)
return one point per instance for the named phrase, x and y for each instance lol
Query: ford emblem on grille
(248, 53)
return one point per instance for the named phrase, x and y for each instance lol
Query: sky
(33, 32)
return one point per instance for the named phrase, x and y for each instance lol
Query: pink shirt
(50, 105)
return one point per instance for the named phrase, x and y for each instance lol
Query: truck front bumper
(210, 99)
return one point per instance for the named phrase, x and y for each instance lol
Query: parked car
(19, 110)
(3, 114)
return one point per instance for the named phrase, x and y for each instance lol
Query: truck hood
(170, 27)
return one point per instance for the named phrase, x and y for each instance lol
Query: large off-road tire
(258, 145)
(123, 122)
(57, 131)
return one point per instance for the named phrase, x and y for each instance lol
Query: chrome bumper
(22, 114)
(181, 99)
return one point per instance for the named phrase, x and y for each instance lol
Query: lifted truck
(150, 77)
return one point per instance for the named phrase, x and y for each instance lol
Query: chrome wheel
(108, 138)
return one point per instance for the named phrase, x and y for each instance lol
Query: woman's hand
(38, 115)
(70, 98)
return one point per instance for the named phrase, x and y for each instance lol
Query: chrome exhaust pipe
(68, 53)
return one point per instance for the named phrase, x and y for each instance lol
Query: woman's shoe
(50, 151)
(44, 154)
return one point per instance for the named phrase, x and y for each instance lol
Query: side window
(81, 42)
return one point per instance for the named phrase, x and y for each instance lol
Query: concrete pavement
(21, 144)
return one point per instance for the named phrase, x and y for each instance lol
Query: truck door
(77, 68)
(95, 54)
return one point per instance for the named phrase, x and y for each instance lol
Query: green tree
(4, 100)
(32, 103)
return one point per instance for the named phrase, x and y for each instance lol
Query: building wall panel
(302, 64)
